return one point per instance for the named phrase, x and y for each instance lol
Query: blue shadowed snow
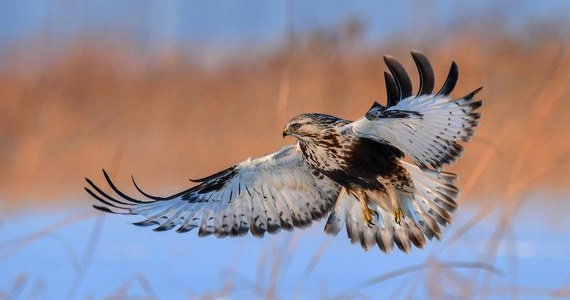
(181, 265)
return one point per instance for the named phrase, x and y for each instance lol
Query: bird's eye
(295, 126)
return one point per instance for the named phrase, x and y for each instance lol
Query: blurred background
(173, 90)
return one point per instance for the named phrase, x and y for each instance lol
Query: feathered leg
(360, 194)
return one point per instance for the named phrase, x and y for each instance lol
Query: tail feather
(385, 240)
(401, 238)
(425, 211)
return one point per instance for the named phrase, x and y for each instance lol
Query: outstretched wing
(427, 127)
(260, 195)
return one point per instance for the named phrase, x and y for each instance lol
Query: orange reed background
(99, 103)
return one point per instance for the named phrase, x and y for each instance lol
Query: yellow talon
(368, 216)
(398, 215)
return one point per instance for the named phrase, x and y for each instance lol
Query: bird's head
(310, 127)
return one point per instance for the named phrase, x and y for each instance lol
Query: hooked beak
(286, 132)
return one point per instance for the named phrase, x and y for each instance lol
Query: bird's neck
(324, 154)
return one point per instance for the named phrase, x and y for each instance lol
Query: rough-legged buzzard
(351, 172)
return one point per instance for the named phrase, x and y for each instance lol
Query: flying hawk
(354, 173)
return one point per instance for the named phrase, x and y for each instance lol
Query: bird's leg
(366, 211)
(398, 212)
(398, 215)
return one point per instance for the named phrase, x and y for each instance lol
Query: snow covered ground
(78, 253)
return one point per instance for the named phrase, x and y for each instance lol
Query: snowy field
(78, 253)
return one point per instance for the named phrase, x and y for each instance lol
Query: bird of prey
(353, 173)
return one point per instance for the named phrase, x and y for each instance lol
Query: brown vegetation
(167, 118)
